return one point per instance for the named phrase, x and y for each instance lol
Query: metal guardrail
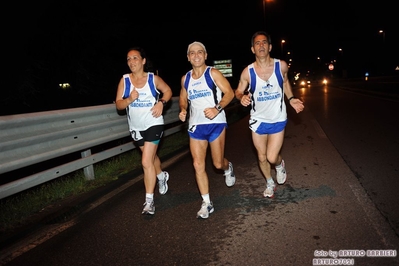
(28, 139)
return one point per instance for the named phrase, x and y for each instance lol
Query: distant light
(65, 85)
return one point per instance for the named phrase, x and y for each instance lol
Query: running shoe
(205, 210)
(149, 208)
(281, 174)
(269, 191)
(230, 178)
(163, 183)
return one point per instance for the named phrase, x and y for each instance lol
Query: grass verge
(16, 210)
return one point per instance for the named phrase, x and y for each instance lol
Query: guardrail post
(88, 170)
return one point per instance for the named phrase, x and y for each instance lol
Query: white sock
(161, 176)
(226, 172)
(206, 198)
(149, 197)
(270, 180)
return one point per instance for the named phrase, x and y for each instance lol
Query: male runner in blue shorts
(262, 85)
(201, 91)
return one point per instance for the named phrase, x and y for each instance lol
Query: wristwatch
(163, 102)
(219, 108)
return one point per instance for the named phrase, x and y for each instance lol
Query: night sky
(85, 43)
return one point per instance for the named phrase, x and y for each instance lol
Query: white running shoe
(269, 191)
(163, 183)
(149, 208)
(281, 174)
(205, 210)
(230, 178)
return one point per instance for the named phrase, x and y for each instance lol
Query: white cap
(199, 43)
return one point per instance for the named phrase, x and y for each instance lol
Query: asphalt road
(322, 212)
(361, 122)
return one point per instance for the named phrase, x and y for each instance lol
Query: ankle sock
(149, 197)
(161, 176)
(227, 172)
(206, 198)
(280, 165)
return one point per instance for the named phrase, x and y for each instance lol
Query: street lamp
(383, 35)
(282, 47)
(264, 9)
(341, 51)
(264, 12)
(384, 52)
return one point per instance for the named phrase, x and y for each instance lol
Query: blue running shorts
(208, 132)
(263, 128)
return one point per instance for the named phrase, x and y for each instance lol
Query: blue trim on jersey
(188, 76)
(280, 81)
(151, 83)
(253, 86)
(209, 82)
(127, 88)
(277, 70)
(253, 80)
(278, 74)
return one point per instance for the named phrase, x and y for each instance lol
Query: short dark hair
(138, 49)
(269, 39)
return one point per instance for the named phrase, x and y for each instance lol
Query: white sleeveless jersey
(139, 114)
(203, 93)
(267, 104)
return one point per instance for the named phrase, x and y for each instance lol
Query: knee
(218, 164)
(262, 159)
(199, 166)
(272, 159)
(146, 164)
